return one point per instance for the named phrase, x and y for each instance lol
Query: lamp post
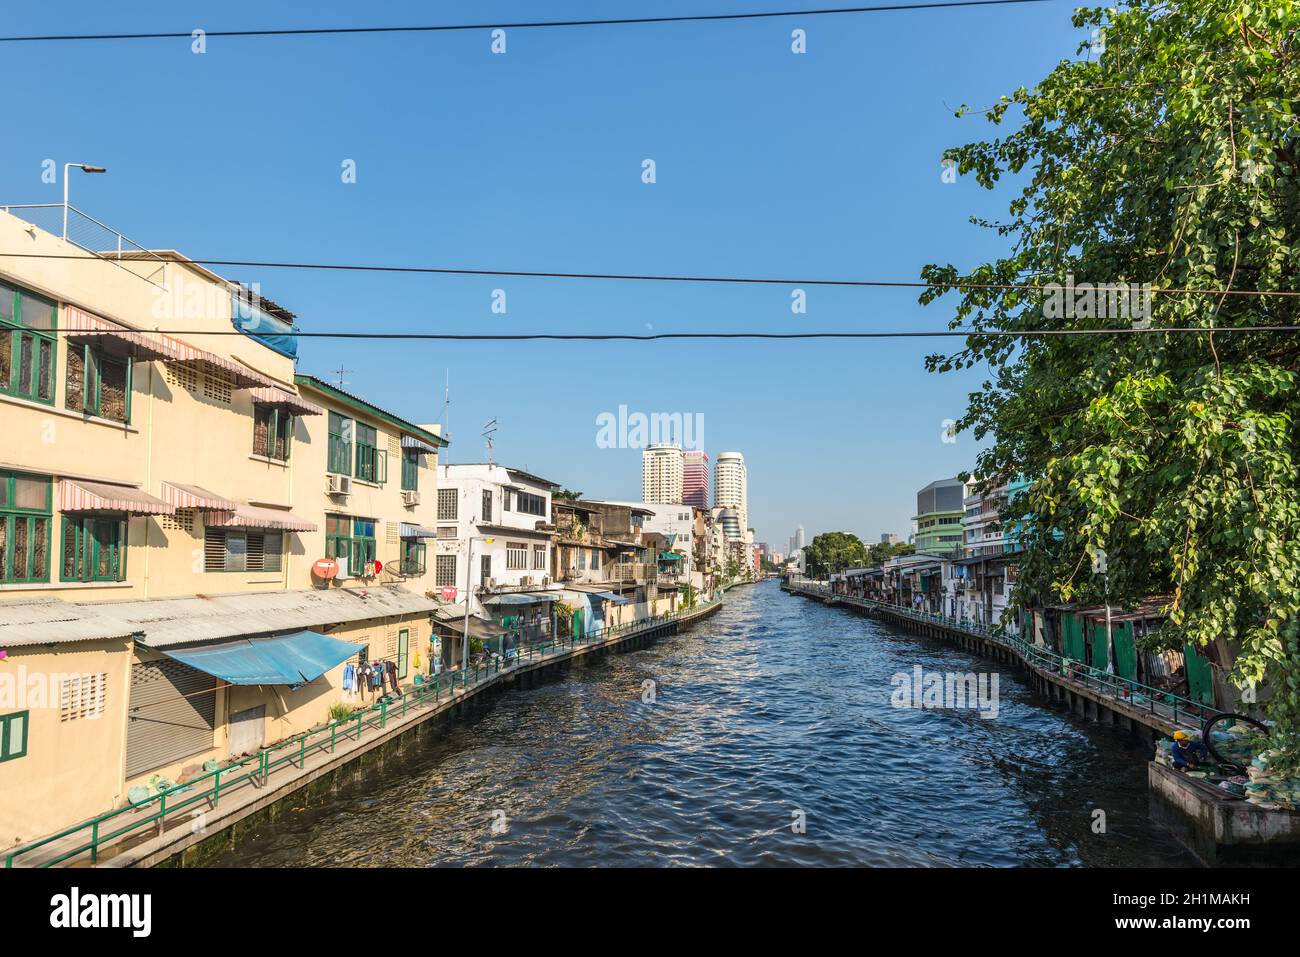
(85, 168)
(469, 594)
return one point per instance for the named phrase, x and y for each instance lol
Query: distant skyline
(824, 164)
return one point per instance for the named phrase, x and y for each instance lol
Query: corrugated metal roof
(164, 622)
(39, 621)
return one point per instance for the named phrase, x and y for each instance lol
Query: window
(341, 431)
(446, 531)
(413, 552)
(98, 384)
(530, 504)
(272, 429)
(372, 463)
(485, 567)
(539, 557)
(410, 470)
(582, 559)
(447, 505)
(242, 550)
(13, 735)
(444, 570)
(94, 549)
(25, 522)
(516, 556)
(27, 342)
(487, 505)
(351, 542)
(595, 559)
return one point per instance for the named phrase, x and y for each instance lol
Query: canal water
(776, 710)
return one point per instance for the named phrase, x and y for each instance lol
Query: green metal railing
(208, 788)
(1134, 693)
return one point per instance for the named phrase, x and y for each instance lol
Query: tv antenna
(340, 373)
(488, 429)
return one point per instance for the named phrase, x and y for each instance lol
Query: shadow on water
(773, 708)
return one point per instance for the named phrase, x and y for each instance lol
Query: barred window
(516, 556)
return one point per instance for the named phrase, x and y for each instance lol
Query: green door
(1098, 651)
(403, 652)
(1072, 636)
(1121, 636)
(1200, 680)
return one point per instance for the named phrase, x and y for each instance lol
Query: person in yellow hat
(1188, 752)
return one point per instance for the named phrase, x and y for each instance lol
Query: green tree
(1170, 157)
(833, 552)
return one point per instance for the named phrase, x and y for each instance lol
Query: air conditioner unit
(526, 581)
(410, 497)
(546, 580)
(338, 484)
(491, 584)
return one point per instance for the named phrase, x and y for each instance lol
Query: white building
(662, 474)
(731, 486)
(500, 519)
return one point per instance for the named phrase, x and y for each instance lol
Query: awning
(294, 659)
(417, 531)
(269, 395)
(411, 442)
(257, 516)
(611, 596)
(479, 627)
(513, 598)
(669, 557)
(184, 352)
(81, 496)
(81, 326)
(192, 496)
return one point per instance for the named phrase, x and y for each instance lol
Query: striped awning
(257, 516)
(269, 395)
(76, 495)
(158, 346)
(244, 377)
(192, 496)
(417, 531)
(81, 326)
(411, 442)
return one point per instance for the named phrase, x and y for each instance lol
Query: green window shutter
(13, 735)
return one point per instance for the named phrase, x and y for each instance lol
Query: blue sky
(821, 165)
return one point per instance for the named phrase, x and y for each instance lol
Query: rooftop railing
(102, 241)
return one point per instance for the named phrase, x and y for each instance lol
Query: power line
(651, 337)
(527, 25)
(635, 277)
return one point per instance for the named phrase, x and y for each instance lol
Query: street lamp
(85, 168)
(469, 594)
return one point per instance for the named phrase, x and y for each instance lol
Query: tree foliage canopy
(833, 552)
(1170, 157)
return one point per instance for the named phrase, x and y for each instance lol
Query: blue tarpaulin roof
(611, 596)
(292, 659)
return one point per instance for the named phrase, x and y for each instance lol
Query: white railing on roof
(86, 232)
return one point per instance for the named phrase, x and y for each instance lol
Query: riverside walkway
(165, 826)
(1085, 690)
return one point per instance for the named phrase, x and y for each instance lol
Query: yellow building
(195, 541)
